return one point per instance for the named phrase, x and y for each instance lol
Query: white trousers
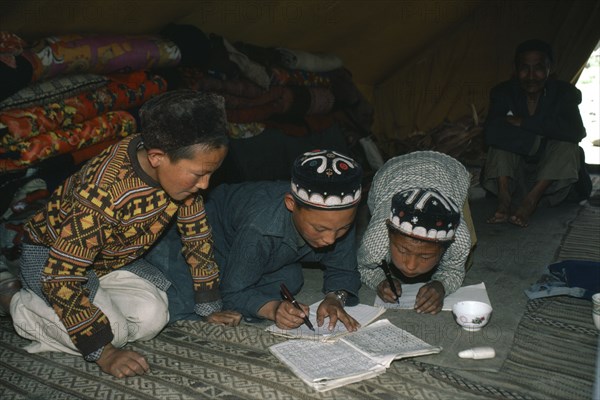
(136, 309)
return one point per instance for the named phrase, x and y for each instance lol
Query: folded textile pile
(69, 92)
(35, 133)
(294, 91)
(66, 93)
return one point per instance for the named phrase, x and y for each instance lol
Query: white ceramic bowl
(472, 315)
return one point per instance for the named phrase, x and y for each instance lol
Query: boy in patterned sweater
(86, 288)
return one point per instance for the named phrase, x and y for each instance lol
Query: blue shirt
(255, 236)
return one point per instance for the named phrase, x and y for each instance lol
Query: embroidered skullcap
(326, 179)
(534, 45)
(424, 214)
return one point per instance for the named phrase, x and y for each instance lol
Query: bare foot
(498, 217)
(521, 216)
(501, 214)
(518, 221)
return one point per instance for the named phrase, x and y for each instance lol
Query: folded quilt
(104, 127)
(55, 89)
(101, 54)
(315, 62)
(197, 79)
(289, 77)
(122, 93)
(11, 46)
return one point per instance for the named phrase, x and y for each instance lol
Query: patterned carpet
(552, 357)
(583, 237)
(195, 360)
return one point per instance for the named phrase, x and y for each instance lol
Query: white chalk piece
(478, 353)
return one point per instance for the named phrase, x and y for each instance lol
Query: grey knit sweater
(421, 169)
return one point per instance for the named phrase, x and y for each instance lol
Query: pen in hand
(388, 276)
(287, 295)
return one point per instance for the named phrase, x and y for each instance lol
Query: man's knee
(150, 319)
(501, 163)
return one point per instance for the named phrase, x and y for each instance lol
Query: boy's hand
(385, 292)
(227, 318)
(430, 298)
(331, 307)
(289, 317)
(121, 363)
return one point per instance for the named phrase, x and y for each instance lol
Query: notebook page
(326, 365)
(385, 342)
(363, 313)
(476, 292)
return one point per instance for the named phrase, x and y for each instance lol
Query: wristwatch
(94, 355)
(341, 295)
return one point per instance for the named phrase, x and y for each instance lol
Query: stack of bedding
(72, 92)
(69, 92)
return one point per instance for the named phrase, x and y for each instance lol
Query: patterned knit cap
(326, 179)
(424, 214)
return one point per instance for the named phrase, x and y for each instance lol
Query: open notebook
(356, 356)
(476, 292)
(363, 313)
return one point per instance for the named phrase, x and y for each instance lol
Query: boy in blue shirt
(263, 231)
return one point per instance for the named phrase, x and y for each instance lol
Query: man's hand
(121, 363)
(430, 298)
(513, 120)
(331, 307)
(385, 292)
(289, 317)
(227, 318)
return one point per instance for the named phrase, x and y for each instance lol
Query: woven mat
(195, 360)
(582, 241)
(553, 355)
(552, 358)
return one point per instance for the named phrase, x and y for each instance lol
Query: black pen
(287, 295)
(388, 276)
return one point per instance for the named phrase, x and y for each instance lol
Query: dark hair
(534, 45)
(177, 121)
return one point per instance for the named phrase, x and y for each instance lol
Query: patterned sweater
(424, 169)
(104, 217)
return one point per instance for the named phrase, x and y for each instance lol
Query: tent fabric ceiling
(373, 38)
(419, 62)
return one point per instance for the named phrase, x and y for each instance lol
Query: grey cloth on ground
(422, 169)
(33, 262)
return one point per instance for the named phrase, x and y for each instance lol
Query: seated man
(415, 202)
(263, 231)
(533, 129)
(86, 289)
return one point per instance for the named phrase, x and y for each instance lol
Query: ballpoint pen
(287, 295)
(388, 276)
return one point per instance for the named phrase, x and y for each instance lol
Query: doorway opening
(589, 84)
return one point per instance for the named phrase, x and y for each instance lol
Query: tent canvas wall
(419, 62)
